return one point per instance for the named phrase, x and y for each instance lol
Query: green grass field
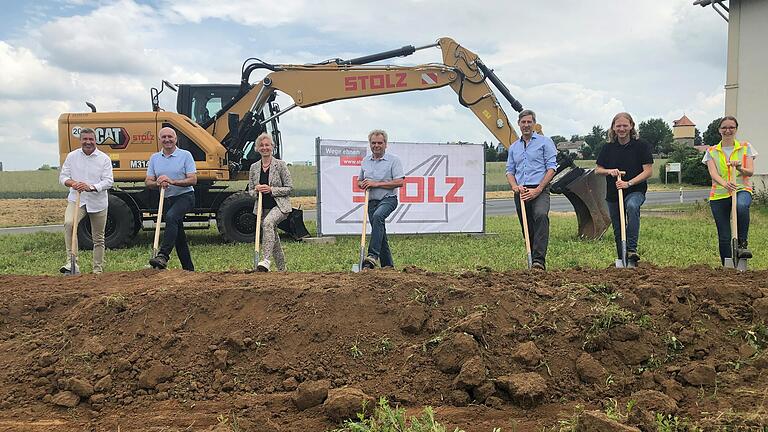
(45, 184)
(683, 239)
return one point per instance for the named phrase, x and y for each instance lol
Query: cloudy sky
(576, 63)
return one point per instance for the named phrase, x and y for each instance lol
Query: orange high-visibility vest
(718, 155)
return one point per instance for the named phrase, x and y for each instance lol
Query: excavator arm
(315, 84)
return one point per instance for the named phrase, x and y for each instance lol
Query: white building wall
(747, 81)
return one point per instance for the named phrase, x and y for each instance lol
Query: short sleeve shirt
(630, 158)
(176, 166)
(385, 169)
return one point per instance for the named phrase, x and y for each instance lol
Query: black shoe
(538, 266)
(742, 252)
(370, 262)
(633, 256)
(159, 262)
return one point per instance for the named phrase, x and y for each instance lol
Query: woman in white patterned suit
(271, 177)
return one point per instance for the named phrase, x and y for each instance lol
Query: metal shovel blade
(738, 264)
(622, 262)
(72, 267)
(741, 265)
(356, 268)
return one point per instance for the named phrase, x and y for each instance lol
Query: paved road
(559, 203)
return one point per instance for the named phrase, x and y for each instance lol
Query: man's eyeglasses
(377, 142)
(727, 127)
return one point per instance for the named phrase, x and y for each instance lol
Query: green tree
(693, 171)
(44, 167)
(558, 138)
(712, 134)
(657, 133)
(697, 137)
(595, 141)
(502, 155)
(490, 153)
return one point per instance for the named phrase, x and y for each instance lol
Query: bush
(693, 171)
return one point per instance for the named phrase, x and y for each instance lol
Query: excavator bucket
(586, 192)
(294, 225)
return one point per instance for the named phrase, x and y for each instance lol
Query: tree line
(655, 132)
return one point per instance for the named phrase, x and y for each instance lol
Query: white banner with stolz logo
(443, 193)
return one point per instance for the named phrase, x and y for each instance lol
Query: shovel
(357, 267)
(73, 244)
(257, 241)
(623, 262)
(525, 233)
(734, 262)
(156, 244)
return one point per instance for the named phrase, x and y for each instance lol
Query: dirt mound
(285, 352)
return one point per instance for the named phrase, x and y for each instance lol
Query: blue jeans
(378, 211)
(721, 211)
(175, 208)
(632, 203)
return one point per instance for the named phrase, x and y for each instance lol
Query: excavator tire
(120, 230)
(235, 218)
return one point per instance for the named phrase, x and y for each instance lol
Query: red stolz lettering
(457, 182)
(375, 82)
(357, 190)
(350, 83)
(419, 197)
(401, 80)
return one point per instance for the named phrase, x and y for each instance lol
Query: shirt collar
(162, 153)
(533, 136)
(95, 152)
(383, 157)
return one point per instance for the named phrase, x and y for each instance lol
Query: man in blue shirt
(173, 169)
(381, 174)
(531, 164)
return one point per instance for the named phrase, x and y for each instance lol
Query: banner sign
(444, 188)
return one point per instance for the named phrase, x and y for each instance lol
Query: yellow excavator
(218, 124)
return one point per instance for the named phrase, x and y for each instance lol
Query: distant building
(302, 163)
(573, 148)
(684, 131)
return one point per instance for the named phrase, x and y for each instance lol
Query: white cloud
(575, 64)
(25, 76)
(112, 39)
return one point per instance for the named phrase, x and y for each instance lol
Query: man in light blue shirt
(381, 174)
(173, 169)
(531, 164)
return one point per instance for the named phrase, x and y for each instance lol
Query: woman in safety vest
(730, 164)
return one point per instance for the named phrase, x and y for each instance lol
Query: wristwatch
(629, 182)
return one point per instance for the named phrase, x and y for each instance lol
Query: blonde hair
(632, 133)
(267, 136)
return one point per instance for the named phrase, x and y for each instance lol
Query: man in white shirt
(89, 171)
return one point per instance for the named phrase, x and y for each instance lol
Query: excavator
(218, 124)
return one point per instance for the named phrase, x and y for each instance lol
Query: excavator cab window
(202, 102)
(183, 142)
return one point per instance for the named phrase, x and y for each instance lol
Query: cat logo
(115, 137)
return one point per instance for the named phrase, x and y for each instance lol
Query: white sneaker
(263, 265)
(66, 268)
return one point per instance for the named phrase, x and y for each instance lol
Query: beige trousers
(98, 224)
